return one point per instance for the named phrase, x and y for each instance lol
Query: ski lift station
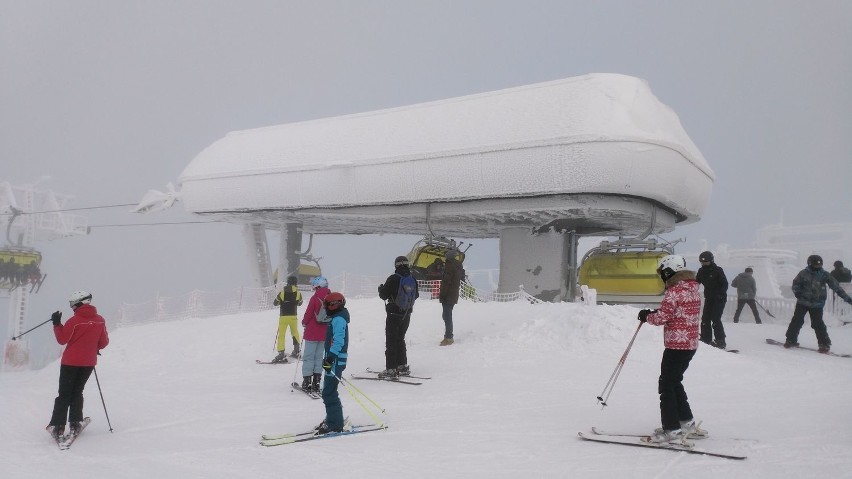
(536, 166)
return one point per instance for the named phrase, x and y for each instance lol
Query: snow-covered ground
(187, 400)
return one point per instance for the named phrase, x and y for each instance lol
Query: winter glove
(56, 317)
(328, 362)
(643, 314)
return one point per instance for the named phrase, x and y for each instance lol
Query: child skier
(679, 315)
(336, 354)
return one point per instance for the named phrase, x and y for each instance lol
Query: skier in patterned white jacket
(679, 314)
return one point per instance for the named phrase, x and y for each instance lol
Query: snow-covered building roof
(596, 153)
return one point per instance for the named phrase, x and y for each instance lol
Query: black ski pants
(674, 405)
(396, 325)
(711, 321)
(817, 324)
(68, 405)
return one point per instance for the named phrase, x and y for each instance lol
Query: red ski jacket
(679, 312)
(315, 331)
(84, 334)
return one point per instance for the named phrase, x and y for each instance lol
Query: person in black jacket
(397, 322)
(288, 301)
(841, 273)
(449, 293)
(712, 277)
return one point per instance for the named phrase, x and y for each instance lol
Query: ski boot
(317, 380)
(56, 432)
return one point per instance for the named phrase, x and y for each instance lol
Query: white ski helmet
(319, 282)
(670, 265)
(80, 297)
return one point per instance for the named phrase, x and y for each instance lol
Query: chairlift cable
(69, 209)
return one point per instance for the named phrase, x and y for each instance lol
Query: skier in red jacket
(679, 315)
(83, 336)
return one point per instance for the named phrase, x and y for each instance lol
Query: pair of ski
(398, 379)
(308, 392)
(829, 353)
(64, 442)
(641, 440)
(269, 440)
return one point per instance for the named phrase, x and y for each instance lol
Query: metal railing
(203, 304)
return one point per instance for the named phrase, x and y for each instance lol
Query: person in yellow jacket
(289, 299)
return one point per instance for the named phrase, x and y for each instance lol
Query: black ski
(637, 441)
(389, 380)
(779, 343)
(310, 394)
(373, 371)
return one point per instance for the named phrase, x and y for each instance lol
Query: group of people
(809, 288)
(326, 339)
(324, 348)
(678, 313)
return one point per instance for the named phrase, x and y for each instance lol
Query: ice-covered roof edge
(593, 107)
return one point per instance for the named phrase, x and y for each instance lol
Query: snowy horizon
(186, 399)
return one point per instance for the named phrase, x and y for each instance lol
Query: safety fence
(203, 304)
(780, 310)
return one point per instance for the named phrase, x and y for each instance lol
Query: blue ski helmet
(319, 282)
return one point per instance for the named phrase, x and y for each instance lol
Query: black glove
(329, 362)
(643, 314)
(56, 317)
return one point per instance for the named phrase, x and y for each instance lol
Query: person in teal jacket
(336, 354)
(809, 289)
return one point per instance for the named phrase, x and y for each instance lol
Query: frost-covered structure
(592, 155)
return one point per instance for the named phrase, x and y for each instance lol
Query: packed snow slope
(186, 400)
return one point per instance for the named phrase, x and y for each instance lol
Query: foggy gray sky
(110, 99)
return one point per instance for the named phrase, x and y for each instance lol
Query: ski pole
(298, 360)
(102, 398)
(346, 384)
(275, 343)
(27, 331)
(610, 385)
(765, 310)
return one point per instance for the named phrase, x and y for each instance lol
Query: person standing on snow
(397, 321)
(712, 277)
(289, 299)
(315, 322)
(746, 292)
(841, 273)
(336, 354)
(678, 314)
(84, 335)
(809, 289)
(449, 293)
